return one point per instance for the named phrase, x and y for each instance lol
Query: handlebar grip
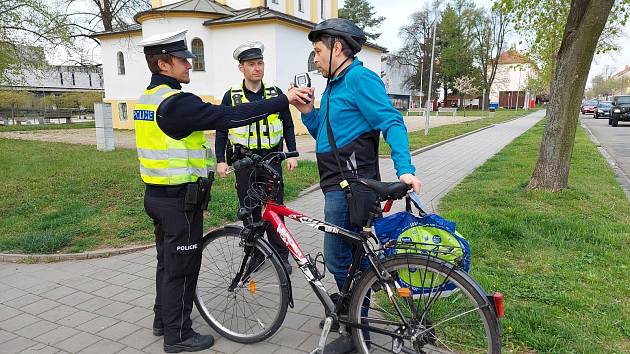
(290, 154)
(243, 163)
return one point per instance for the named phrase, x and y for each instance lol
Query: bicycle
(244, 290)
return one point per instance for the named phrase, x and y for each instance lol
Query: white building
(57, 79)
(215, 29)
(514, 71)
(394, 76)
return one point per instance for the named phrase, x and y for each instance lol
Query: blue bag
(429, 234)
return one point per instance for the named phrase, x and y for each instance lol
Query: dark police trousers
(242, 185)
(178, 236)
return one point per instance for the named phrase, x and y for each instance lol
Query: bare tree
(416, 51)
(103, 15)
(488, 29)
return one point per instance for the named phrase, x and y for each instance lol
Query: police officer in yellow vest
(176, 165)
(262, 137)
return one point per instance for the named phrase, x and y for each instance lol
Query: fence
(42, 116)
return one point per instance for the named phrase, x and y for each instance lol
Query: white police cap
(173, 43)
(249, 51)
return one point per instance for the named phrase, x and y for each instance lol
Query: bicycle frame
(272, 214)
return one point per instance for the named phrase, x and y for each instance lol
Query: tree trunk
(585, 24)
(106, 16)
(486, 98)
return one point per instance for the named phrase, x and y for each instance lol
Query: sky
(397, 14)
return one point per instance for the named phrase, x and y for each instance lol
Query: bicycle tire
(221, 259)
(434, 334)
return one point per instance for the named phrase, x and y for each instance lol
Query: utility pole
(426, 117)
(421, 88)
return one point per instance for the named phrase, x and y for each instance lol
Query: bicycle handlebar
(255, 160)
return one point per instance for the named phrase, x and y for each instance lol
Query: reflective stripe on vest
(270, 127)
(164, 160)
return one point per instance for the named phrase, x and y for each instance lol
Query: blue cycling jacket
(359, 111)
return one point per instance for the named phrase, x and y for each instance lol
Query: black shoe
(342, 345)
(193, 344)
(287, 265)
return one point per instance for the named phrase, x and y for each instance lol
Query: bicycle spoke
(255, 307)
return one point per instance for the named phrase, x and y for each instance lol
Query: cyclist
(359, 111)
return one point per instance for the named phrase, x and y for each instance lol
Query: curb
(622, 177)
(47, 258)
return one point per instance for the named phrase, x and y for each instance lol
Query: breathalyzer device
(302, 80)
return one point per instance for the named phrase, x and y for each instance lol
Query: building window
(300, 6)
(74, 83)
(321, 7)
(121, 63)
(90, 78)
(198, 60)
(274, 1)
(61, 78)
(311, 62)
(122, 111)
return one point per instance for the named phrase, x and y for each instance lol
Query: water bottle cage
(312, 265)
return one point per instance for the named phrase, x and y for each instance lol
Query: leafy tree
(567, 33)
(362, 14)
(15, 99)
(26, 26)
(456, 59)
(488, 29)
(602, 86)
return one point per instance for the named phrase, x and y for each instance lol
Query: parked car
(620, 110)
(588, 106)
(603, 109)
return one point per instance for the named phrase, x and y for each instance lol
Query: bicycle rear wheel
(444, 309)
(256, 308)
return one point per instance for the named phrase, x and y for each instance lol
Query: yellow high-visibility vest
(270, 128)
(164, 160)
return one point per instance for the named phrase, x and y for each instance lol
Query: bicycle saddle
(386, 190)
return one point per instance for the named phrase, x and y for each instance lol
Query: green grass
(70, 198)
(559, 258)
(418, 140)
(12, 128)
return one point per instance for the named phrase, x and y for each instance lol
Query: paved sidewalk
(104, 305)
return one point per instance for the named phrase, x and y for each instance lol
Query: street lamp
(421, 73)
(426, 117)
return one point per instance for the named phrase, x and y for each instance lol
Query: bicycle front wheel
(435, 308)
(252, 311)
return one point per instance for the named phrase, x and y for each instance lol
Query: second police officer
(261, 137)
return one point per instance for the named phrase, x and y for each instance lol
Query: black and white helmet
(340, 27)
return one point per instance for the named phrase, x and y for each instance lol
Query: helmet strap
(330, 72)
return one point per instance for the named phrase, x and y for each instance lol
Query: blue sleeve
(311, 121)
(381, 114)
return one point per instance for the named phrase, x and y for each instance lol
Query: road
(616, 142)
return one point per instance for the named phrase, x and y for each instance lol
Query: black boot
(158, 328)
(193, 344)
(342, 345)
